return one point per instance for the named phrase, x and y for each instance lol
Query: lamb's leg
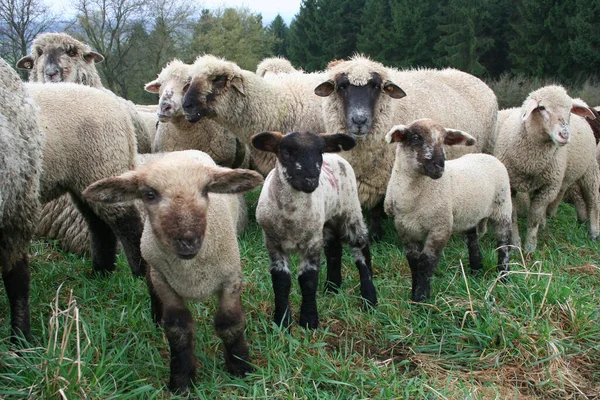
(282, 283)
(475, 257)
(376, 226)
(127, 225)
(516, 238)
(333, 254)
(230, 324)
(16, 282)
(503, 232)
(537, 210)
(309, 282)
(362, 258)
(156, 306)
(423, 264)
(589, 189)
(103, 240)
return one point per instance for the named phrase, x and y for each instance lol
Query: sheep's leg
(589, 189)
(230, 324)
(580, 205)
(309, 281)
(475, 257)
(282, 283)
(537, 210)
(553, 207)
(128, 227)
(516, 238)
(412, 251)
(333, 254)
(362, 258)
(423, 264)
(503, 232)
(376, 225)
(156, 306)
(103, 240)
(16, 282)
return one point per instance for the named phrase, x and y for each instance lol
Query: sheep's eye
(414, 140)
(40, 52)
(71, 52)
(150, 194)
(541, 108)
(285, 154)
(342, 86)
(186, 87)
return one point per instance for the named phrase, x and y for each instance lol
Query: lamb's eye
(40, 52)
(285, 154)
(150, 194)
(71, 52)
(541, 108)
(414, 140)
(186, 87)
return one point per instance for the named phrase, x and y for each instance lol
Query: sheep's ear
(227, 180)
(267, 141)
(580, 108)
(396, 134)
(455, 137)
(92, 56)
(238, 85)
(393, 90)
(25, 62)
(152, 87)
(325, 88)
(338, 142)
(531, 105)
(116, 189)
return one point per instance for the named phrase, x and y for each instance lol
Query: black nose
(187, 248)
(359, 120)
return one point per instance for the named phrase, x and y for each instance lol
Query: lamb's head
(58, 57)
(175, 191)
(550, 108)
(421, 143)
(300, 154)
(215, 87)
(357, 91)
(170, 85)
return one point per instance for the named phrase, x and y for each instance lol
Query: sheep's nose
(51, 73)
(165, 108)
(187, 248)
(359, 120)
(312, 181)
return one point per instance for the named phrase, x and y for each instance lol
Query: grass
(536, 336)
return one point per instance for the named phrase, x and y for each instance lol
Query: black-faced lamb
(533, 143)
(309, 202)
(190, 244)
(430, 198)
(20, 169)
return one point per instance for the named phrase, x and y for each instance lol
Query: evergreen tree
(280, 32)
(376, 34)
(495, 18)
(303, 44)
(584, 42)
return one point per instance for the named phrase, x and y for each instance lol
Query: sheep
(191, 248)
(273, 66)
(429, 198)
(363, 98)
(245, 103)
(302, 210)
(533, 143)
(20, 169)
(89, 135)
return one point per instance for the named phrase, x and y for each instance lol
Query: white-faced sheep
(20, 169)
(365, 99)
(429, 198)
(245, 103)
(89, 136)
(533, 143)
(309, 202)
(190, 244)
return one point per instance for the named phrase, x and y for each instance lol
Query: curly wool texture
(455, 99)
(271, 66)
(20, 167)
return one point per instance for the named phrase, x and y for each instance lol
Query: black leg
(309, 281)
(475, 257)
(503, 239)
(128, 228)
(16, 282)
(156, 306)
(282, 283)
(376, 227)
(422, 268)
(333, 255)
(179, 329)
(362, 259)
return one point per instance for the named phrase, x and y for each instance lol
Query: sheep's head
(300, 154)
(422, 143)
(58, 57)
(550, 107)
(170, 85)
(175, 191)
(358, 85)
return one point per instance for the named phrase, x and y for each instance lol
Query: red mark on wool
(326, 169)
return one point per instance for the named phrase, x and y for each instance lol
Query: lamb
(273, 66)
(533, 143)
(302, 210)
(89, 136)
(245, 103)
(191, 248)
(429, 198)
(20, 169)
(361, 99)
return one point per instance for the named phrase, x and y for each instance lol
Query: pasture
(536, 336)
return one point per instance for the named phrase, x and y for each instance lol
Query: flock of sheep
(85, 166)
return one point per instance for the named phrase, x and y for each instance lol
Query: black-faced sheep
(309, 202)
(429, 198)
(190, 244)
(20, 169)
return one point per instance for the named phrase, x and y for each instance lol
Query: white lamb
(309, 201)
(429, 198)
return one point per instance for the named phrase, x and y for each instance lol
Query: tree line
(541, 39)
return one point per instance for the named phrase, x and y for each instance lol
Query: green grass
(536, 336)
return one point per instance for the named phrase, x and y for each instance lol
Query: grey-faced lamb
(190, 244)
(365, 99)
(429, 198)
(533, 143)
(20, 169)
(309, 202)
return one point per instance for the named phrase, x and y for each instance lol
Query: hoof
(309, 322)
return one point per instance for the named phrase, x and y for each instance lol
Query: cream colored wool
(272, 66)
(455, 99)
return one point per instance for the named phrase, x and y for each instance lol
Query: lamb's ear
(113, 190)
(238, 84)
(227, 180)
(531, 105)
(267, 141)
(396, 134)
(580, 108)
(393, 90)
(338, 142)
(92, 56)
(325, 88)
(455, 137)
(25, 62)
(152, 87)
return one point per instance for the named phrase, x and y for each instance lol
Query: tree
(280, 32)
(584, 41)
(376, 34)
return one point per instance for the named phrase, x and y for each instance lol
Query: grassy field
(536, 336)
